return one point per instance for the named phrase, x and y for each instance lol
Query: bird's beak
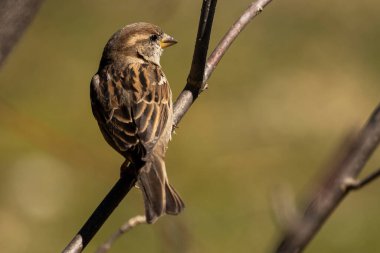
(167, 41)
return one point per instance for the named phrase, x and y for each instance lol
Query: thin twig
(358, 184)
(250, 13)
(201, 44)
(195, 80)
(334, 188)
(101, 214)
(131, 223)
(194, 86)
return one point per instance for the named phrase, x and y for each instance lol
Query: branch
(196, 84)
(250, 13)
(131, 223)
(199, 73)
(15, 16)
(195, 80)
(335, 187)
(358, 184)
(101, 214)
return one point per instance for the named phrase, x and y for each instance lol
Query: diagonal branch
(334, 187)
(198, 76)
(195, 80)
(358, 184)
(250, 13)
(101, 214)
(201, 44)
(15, 17)
(195, 85)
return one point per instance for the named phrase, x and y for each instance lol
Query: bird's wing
(132, 107)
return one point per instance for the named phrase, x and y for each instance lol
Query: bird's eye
(153, 37)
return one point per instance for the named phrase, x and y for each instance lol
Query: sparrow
(132, 102)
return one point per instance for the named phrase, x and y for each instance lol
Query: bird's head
(138, 41)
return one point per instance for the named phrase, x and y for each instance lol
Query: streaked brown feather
(130, 106)
(139, 109)
(145, 118)
(154, 122)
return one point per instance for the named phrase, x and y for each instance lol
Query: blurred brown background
(301, 76)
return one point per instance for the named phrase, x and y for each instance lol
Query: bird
(131, 101)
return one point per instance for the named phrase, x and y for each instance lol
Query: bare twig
(195, 85)
(199, 74)
(358, 184)
(101, 213)
(131, 223)
(15, 16)
(254, 9)
(335, 187)
(195, 80)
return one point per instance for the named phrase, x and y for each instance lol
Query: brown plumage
(132, 102)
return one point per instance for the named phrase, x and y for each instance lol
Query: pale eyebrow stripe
(133, 39)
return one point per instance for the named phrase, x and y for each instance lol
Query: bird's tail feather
(159, 196)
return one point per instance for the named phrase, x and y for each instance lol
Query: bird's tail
(159, 196)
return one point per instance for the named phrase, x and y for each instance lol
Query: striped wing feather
(131, 106)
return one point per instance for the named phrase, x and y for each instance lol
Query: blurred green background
(300, 77)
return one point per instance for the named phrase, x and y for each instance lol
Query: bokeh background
(300, 77)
